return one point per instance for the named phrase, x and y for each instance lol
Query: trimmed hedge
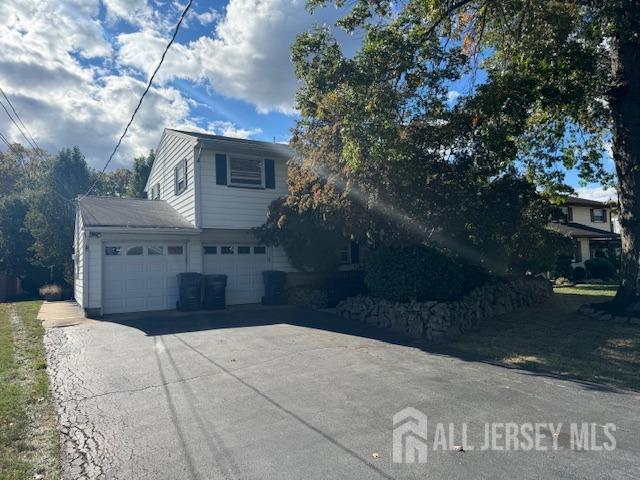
(578, 274)
(600, 267)
(419, 272)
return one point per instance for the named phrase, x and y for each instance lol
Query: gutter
(157, 230)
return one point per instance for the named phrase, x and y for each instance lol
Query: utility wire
(146, 90)
(33, 140)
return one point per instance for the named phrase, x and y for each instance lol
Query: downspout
(197, 174)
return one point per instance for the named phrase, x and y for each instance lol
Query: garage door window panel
(112, 251)
(138, 250)
(175, 250)
(210, 250)
(244, 250)
(259, 250)
(226, 250)
(155, 250)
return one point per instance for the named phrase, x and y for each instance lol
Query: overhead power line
(146, 90)
(31, 142)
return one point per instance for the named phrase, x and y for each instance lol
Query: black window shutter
(175, 180)
(592, 216)
(570, 211)
(186, 163)
(604, 215)
(355, 253)
(221, 169)
(269, 174)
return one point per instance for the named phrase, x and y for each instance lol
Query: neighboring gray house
(206, 193)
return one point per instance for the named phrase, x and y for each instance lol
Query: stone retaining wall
(436, 321)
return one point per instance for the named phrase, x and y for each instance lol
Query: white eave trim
(163, 231)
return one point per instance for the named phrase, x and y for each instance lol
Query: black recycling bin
(190, 291)
(274, 287)
(214, 289)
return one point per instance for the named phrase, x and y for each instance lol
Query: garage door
(141, 276)
(243, 264)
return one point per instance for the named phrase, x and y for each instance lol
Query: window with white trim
(155, 192)
(598, 215)
(180, 177)
(246, 172)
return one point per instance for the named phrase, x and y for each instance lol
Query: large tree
(51, 215)
(559, 80)
(141, 170)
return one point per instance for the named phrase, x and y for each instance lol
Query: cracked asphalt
(290, 394)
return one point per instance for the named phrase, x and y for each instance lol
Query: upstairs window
(180, 176)
(246, 172)
(567, 214)
(598, 215)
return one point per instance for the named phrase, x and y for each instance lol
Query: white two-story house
(589, 224)
(205, 194)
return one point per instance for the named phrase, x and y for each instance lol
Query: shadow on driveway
(561, 340)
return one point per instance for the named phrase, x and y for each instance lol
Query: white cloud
(229, 129)
(247, 57)
(597, 192)
(452, 96)
(66, 103)
(208, 17)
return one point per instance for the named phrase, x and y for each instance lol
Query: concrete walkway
(61, 314)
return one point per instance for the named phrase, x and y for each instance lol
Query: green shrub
(563, 265)
(423, 273)
(474, 276)
(578, 274)
(600, 268)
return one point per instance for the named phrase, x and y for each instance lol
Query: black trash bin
(214, 290)
(190, 291)
(275, 282)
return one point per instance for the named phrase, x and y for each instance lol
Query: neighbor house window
(567, 214)
(134, 251)
(210, 250)
(113, 251)
(174, 250)
(180, 175)
(246, 172)
(598, 215)
(155, 192)
(158, 250)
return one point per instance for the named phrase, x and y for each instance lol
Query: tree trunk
(624, 101)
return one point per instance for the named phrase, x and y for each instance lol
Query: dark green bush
(578, 274)
(474, 276)
(600, 268)
(563, 265)
(423, 273)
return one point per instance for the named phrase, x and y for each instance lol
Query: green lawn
(555, 338)
(29, 442)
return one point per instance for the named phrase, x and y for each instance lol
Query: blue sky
(75, 80)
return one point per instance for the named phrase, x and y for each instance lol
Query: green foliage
(140, 175)
(563, 266)
(578, 274)
(600, 268)
(113, 184)
(311, 237)
(51, 217)
(15, 240)
(418, 272)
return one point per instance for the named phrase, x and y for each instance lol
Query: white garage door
(243, 265)
(141, 276)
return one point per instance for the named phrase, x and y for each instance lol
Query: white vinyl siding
(79, 246)
(583, 215)
(225, 206)
(172, 150)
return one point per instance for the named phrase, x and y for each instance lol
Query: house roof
(577, 230)
(130, 213)
(584, 202)
(278, 149)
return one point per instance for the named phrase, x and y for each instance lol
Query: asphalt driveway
(292, 394)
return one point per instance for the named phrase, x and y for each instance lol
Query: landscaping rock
(435, 321)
